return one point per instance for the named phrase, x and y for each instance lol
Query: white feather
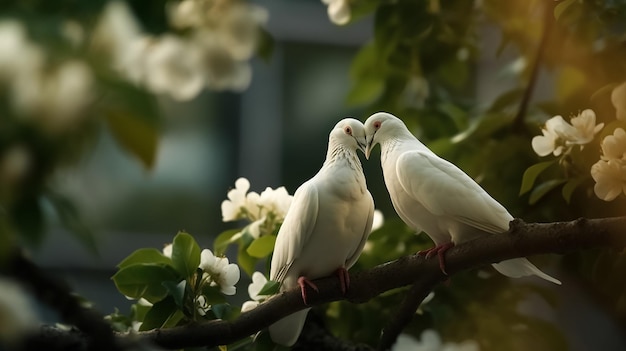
(327, 224)
(433, 195)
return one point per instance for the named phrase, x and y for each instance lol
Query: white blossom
(610, 178)
(221, 272)
(233, 208)
(276, 201)
(202, 306)
(117, 31)
(173, 66)
(338, 11)
(258, 282)
(221, 70)
(431, 341)
(249, 305)
(379, 220)
(17, 316)
(618, 98)
(559, 136)
(167, 250)
(614, 146)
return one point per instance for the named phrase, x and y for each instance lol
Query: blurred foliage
(421, 65)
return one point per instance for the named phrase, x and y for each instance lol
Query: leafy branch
(522, 239)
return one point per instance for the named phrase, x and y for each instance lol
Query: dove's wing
(368, 228)
(445, 190)
(295, 230)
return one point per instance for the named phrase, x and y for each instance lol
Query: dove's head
(380, 127)
(350, 133)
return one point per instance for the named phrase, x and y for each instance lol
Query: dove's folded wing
(445, 190)
(368, 228)
(295, 230)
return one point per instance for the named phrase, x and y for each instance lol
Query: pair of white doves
(331, 215)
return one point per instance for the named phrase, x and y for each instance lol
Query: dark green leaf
(136, 135)
(161, 314)
(145, 280)
(223, 240)
(542, 189)
(365, 91)
(570, 187)
(531, 174)
(270, 288)
(27, 218)
(185, 254)
(246, 262)
(505, 100)
(70, 219)
(176, 291)
(145, 255)
(221, 310)
(266, 45)
(262, 247)
(213, 295)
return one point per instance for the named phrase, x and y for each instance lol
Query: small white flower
(610, 178)
(276, 201)
(379, 220)
(186, 14)
(116, 31)
(167, 250)
(222, 273)
(258, 282)
(17, 316)
(338, 11)
(17, 54)
(559, 136)
(202, 306)
(614, 146)
(221, 70)
(239, 29)
(585, 128)
(174, 67)
(231, 208)
(618, 98)
(254, 228)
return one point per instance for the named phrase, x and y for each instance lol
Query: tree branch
(520, 240)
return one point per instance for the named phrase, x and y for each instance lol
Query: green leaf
(185, 254)
(245, 261)
(28, 220)
(542, 189)
(213, 295)
(531, 174)
(162, 314)
(262, 247)
(265, 49)
(366, 74)
(506, 99)
(144, 280)
(365, 91)
(138, 311)
(70, 219)
(562, 7)
(607, 89)
(570, 187)
(176, 291)
(223, 240)
(136, 135)
(221, 310)
(270, 288)
(145, 255)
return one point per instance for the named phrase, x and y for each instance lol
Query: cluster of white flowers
(258, 282)
(265, 211)
(431, 341)
(609, 172)
(220, 38)
(53, 96)
(217, 271)
(338, 11)
(559, 136)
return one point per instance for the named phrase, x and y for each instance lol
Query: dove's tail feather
(521, 267)
(287, 330)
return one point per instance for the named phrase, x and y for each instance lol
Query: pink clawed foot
(438, 250)
(344, 279)
(302, 282)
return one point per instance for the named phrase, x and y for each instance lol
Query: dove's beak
(368, 148)
(362, 144)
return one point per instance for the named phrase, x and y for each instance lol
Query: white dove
(326, 225)
(432, 195)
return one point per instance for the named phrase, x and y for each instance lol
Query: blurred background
(137, 185)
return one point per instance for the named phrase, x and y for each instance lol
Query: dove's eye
(377, 124)
(348, 130)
